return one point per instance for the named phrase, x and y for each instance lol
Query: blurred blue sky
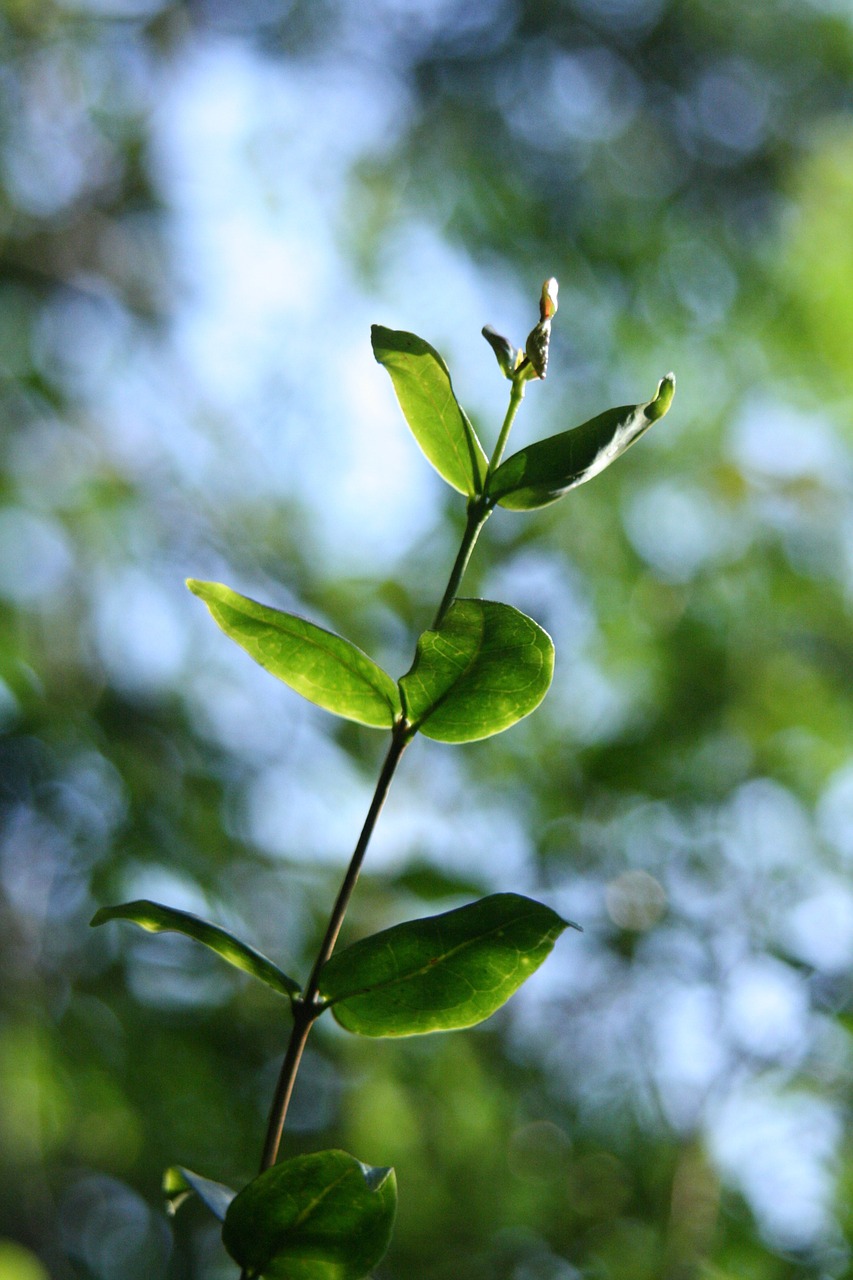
(254, 389)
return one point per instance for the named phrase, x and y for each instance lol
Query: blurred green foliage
(202, 208)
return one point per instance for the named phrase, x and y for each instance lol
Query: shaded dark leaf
(442, 972)
(324, 1216)
(156, 918)
(544, 471)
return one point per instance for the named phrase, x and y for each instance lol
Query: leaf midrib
(435, 961)
(442, 698)
(316, 644)
(422, 380)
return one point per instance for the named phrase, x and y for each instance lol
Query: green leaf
(323, 667)
(324, 1216)
(486, 667)
(442, 972)
(159, 919)
(543, 472)
(179, 1184)
(438, 422)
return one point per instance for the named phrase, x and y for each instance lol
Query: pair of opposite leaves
(327, 1216)
(487, 665)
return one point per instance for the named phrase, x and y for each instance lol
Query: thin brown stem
(302, 1020)
(400, 739)
(307, 1009)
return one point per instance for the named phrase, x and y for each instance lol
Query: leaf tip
(568, 924)
(662, 399)
(378, 339)
(101, 916)
(376, 1177)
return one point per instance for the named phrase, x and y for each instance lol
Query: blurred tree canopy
(202, 207)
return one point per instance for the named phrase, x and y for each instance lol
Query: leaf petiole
(516, 396)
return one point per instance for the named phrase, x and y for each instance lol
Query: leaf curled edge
(156, 918)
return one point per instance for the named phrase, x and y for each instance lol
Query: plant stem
(515, 398)
(478, 514)
(307, 1009)
(479, 508)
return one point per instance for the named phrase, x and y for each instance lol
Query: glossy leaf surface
(179, 1184)
(324, 1216)
(442, 972)
(438, 422)
(486, 667)
(323, 667)
(544, 471)
(159, 919)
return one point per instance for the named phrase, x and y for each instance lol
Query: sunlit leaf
(486, 667)
(544, 471)
(438, 422)
(180, 1183)
(324, 1216)
(159, 919)
(442, 972)
(323, 667)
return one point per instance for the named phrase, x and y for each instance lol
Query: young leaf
(508, 356)
(438, 422)
(442, 972)
(179, 1184)
(486, 667)
(323, 667)
(324, 1216)
(159, 919)
(544, 471)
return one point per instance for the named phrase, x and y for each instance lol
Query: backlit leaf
(324, 1216)
(544, 471)
(438, 422)
(486, 667)
(323, 667)
(159, 919)
(442, 972)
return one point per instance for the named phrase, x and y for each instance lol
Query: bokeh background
(202, 208)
